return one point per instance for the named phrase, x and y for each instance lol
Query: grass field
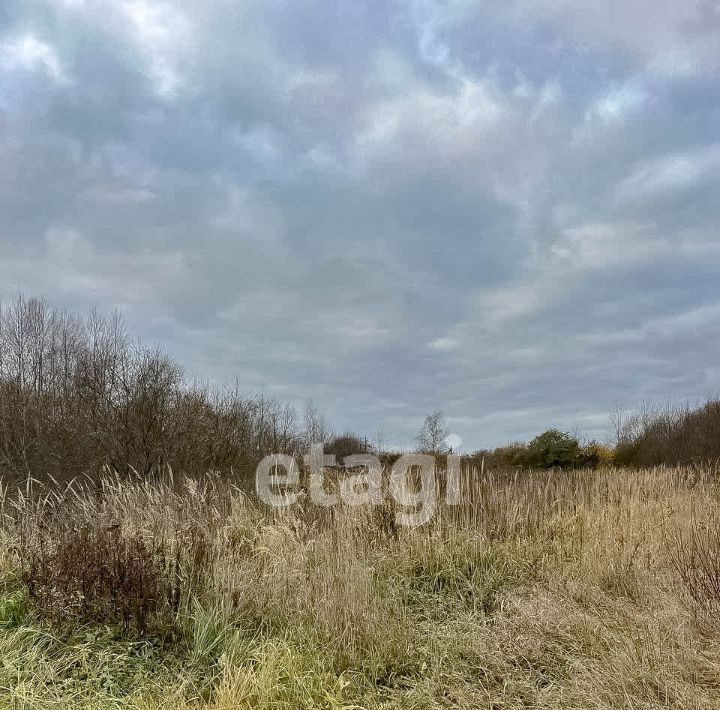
(576, 589)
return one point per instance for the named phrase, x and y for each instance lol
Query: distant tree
(670, 434)
(595, 455)
(346, 445)
(78, 396)
(316, 428)
(432, 436)
(380, 440)
(616, 423)
(554, 448)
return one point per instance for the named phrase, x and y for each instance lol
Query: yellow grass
(542, 590)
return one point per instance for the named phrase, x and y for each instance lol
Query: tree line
(649, 435)
(78, 394)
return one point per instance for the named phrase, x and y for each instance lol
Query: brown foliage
(696, 558)
(76, 395)
(670, 435)
(96, 574)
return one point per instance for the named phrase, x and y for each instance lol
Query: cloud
(161, 33)
(615, 103)
(444, 344)
(508, 212)
(673, 39)
(28, 53)
(78, 269)
(672, 174)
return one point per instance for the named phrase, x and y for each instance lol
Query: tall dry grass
(548, 589)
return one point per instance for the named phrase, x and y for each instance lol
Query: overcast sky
(508, 210)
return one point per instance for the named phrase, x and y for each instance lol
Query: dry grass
(577, 589)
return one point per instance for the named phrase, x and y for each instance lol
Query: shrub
(347, 445)
(94, 573)
(514, 454)
(696, 558)
(595, 455)
(670, 435)
(554, 448)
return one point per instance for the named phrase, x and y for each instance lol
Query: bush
(696, 558)
(514, 454)
(595, 455)
(554, 448)
(347, 445)
(94, 573)
(670, 435)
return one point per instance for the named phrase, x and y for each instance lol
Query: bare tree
(77, 395)
(317, 429)
(380, 440)
(431, 439)
(616, 422)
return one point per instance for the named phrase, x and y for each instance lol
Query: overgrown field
(575, 589)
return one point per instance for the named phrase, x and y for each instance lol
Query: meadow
(574, 588)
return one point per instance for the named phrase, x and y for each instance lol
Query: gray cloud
(507, 210)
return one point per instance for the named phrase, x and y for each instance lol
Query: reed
(548, 589)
